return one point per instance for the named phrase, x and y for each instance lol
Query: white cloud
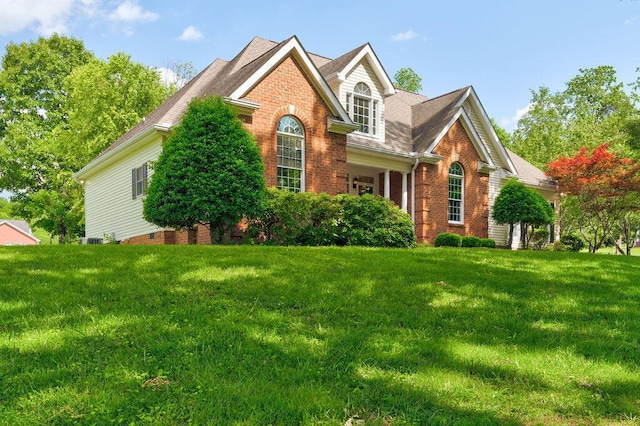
(130, 11)
(510, 123)
(43, 16)
(191, 33)
(407, 35)
(631, 21)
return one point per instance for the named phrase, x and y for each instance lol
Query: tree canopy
(210, 172)
(407, 79)
(593, 107)
(606, 189)
(105, 99)
(32, 99)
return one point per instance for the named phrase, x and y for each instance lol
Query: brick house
(324, 125)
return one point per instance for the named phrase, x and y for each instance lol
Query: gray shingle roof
(529, 173)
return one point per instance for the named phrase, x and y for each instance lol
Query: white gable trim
(486, 122)
(294, 47)
(471, 131)
(15, 228)
(368, 53)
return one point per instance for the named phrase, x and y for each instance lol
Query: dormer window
(364, 110)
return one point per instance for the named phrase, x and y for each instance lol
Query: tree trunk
(510, 240)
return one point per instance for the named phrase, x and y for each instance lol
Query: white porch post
(387, 184)
(404, 192)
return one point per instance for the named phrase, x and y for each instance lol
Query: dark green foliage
(572, 242)
(517, 203)
(471, 241)
(210, 172)
(448, 239)
(487, 242)
(321, 220)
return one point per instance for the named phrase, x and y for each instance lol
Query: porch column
(404, 192)
(387, 184)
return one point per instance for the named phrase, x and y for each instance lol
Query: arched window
(456, 193)
(365, 109)
(290, 147)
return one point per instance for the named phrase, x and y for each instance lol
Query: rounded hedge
(471, 241)
(572, 242)
(487, 242)
(448, 239)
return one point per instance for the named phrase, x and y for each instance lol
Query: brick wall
(432, 190)
(287, 91)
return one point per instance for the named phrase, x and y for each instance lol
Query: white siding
(109, 206)
(364, 73)
(499, 233)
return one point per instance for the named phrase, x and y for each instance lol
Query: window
(365, 109)
(290, 146)
(139, 181)
(456, 205)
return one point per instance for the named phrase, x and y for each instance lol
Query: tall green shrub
(210, 172)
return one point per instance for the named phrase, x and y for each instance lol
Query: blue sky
(503, 48)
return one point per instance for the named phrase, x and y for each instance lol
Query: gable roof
(432, 118)
(340, 67)
(232, 80)
(19, 226)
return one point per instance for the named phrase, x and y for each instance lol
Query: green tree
(5, 209)
(407, 79)
(503, 135)
(59, 212)
(32, 99)
(517, 203)
(105, 99)
(592, 108)
(210, 172)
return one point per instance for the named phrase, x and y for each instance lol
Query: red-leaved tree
(607, 188)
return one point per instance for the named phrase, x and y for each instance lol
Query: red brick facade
(432, 190)
(287, 91)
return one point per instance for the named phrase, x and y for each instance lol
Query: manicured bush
(487, 242)
(572, 242)
(321, 220)
(558, 246)
(374, 221)
(448, 239)
(471, 241)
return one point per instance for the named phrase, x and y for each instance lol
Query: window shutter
(133, 184)
(144, 178)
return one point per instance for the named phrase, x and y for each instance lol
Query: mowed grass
(317, 336)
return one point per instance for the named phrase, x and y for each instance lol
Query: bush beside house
(311, 219)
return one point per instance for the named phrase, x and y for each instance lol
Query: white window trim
(373, 107)
(449, 199)
(302, 147)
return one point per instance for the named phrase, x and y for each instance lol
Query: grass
(317, 336)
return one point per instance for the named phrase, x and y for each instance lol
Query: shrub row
(449, 239)
(311, 219)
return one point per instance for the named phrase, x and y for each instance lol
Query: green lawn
(269, 335)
